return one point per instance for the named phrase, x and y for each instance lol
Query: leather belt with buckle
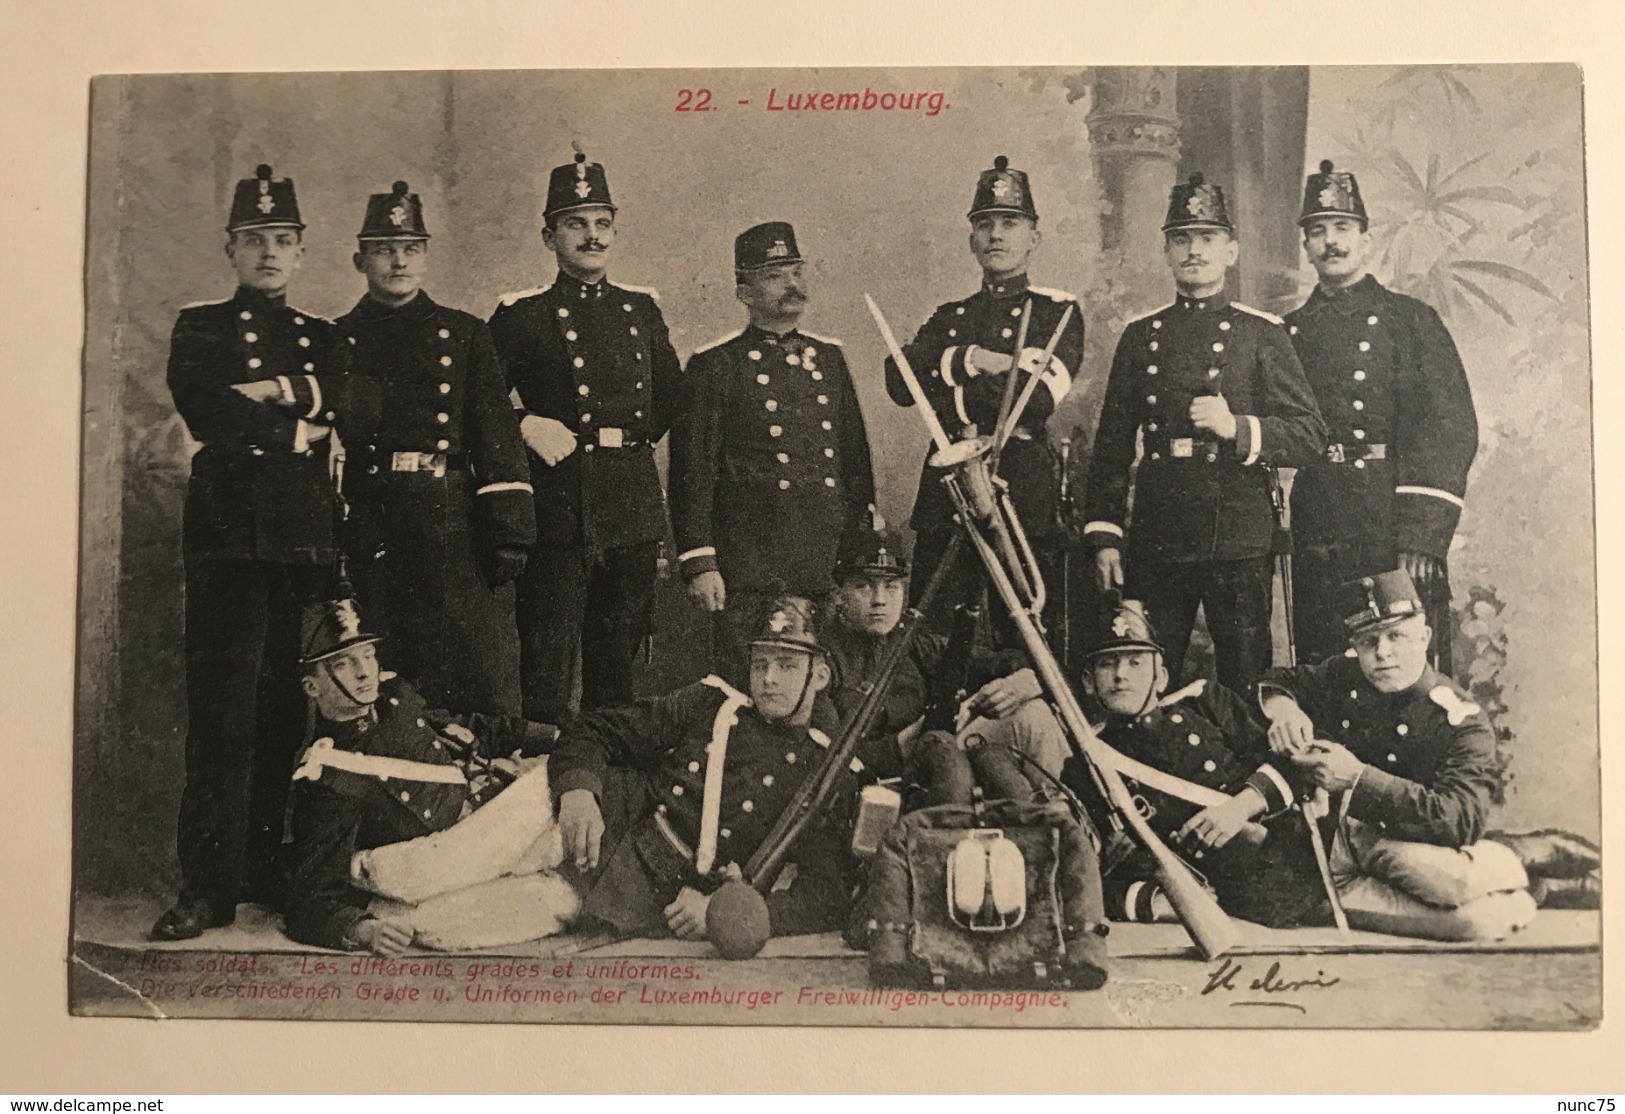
(418, 462)
(609, 437)
(1341, 454)
(1189, 448)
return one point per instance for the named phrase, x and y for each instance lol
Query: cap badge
(397, 216)
(1120, 626)
(1001, 187)
(1200, 205)
(779, 248)
(779, 623)
(265, 204)
(1329, 196)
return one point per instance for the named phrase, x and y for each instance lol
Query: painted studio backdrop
(1473, 177)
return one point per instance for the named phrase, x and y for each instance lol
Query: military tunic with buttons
(598, 359)
(337, 812)
(1431, 770)
(939, 355)
(770, 461)
(438, 484)
(1205, 734)
(1202, 523)
(648, 765)
(1403, 432)
(258, 541)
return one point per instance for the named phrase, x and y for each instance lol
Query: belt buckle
(611, 438)
(1334, 454)
(403, 462)
(1182, 447)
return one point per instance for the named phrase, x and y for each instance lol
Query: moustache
(1333, 253)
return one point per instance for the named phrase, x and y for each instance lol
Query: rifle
(970, 488)
(1063, 523)
(814, 792)
(1316, 804)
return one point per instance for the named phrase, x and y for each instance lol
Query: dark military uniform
(1207, 735)
(257, 537)
(1402, 431)
(1203, 522)
(597, 358)
(939, 355)
(770, 463)
(436, 490)
(1429, 751)
(339, 810)
(649, 765)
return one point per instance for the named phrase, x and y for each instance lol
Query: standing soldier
(963, 356)
(1215, 388)
(1400, 418)
(441, 516)
(258, 543)
(597, 379)
(770, 458)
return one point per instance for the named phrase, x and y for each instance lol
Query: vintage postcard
(946, 547)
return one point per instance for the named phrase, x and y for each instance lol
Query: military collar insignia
(248, 294)
(1009, 288)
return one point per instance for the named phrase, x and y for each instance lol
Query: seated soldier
(661, 802)
(382, 769)
(1204, 782)
(1409, 762)
(927, 719)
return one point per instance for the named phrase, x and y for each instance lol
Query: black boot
(1550, 853)
(190, 917)
(1568, 893)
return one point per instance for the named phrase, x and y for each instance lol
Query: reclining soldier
(1206, 780)
(661, 802)
(1408, 760)
(383, 769)
(949, 696)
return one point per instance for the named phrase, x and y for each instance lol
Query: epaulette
(510, 299)
(1456, 710)
(206, 302)
(1051, 293)
(720, 341)
(822, 340)
(1270, 317)
(822, 740)
(649, 290)
(308, 316)
(1159, 311)
(724, 687)
(1194, 689)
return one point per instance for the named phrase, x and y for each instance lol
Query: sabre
(1027, 390)
(938, 434)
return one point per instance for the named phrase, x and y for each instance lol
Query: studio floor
(1548, 976)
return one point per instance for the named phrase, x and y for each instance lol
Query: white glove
(548, 438)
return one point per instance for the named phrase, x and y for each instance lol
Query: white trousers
(487, 880)
(1478, 892)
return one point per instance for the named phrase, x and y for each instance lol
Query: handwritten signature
(1227, 975)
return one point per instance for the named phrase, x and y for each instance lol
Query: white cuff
(315, 396)
(285, 388)
(1279, 782)
(1406, 489)
(696, 552)
(301, 436)
(1103, 528)
(1257, 438)
(945, 366)
(959, 405)
(511, 485)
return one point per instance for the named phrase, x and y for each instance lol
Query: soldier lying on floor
(1206, 781)
(383, 769)
(1409, 761)
(656, 805)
